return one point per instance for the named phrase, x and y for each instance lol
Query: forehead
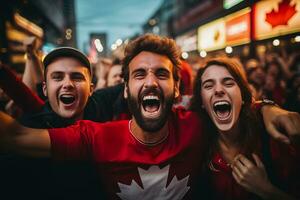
(66, 64)
(115, 69)
(149, 60)
(215, 72)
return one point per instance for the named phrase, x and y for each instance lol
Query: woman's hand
(252, 177)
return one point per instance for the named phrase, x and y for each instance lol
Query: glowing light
(276, 42)
(113, 47)
(156, 30)
(203, 53)
(184, 55)
(297, 38)
(98, 45)
(119, 42)
(228, 49)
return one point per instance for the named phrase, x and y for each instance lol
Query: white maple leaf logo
(154, 182)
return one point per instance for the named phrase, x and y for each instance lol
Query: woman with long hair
(241, 161)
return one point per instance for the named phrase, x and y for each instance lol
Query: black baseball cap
(67, 52)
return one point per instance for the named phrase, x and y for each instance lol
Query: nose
(219, 90)
(150, 80)
(68, 83)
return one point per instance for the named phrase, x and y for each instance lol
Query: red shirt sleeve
(73, 142)
(26, 99)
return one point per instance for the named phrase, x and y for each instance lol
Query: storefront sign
(230, 3)
(187, 42)
(276, 17)
(29, 26)
(238, 27)
(212, 36)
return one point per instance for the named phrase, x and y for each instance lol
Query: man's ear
(92, 87)
(125, 91)
(176, 88)
(44, 88)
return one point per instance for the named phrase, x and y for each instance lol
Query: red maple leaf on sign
(282, 16)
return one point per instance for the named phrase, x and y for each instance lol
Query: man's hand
(30, 45)
(281, 124)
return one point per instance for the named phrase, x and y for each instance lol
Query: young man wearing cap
(67, 84)
(68, 87)
(155, 155)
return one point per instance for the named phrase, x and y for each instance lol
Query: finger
(277, 135)
(245, 161)
(240, 166)
(287, 123)
(237, 173)
(236, 177)
(295, 117)
(258, 161)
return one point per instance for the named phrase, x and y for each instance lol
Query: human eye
(57, 76)
(140, 74)
(207, 85)
(163, 74)
(229, 82)
(78, 77)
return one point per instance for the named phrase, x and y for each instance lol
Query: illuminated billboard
(276, 17)
(211, 36)
(238, 27)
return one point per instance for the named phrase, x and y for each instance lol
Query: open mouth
(67, 98)
(151, 103)
(222, 109)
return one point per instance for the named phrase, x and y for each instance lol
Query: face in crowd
(151, 73)
(222, 90)
(221, 97)
(67, 86)
(151, 89)
(114, 76)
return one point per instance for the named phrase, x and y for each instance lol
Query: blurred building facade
(235, 27)
(52, 22)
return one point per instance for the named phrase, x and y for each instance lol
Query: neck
(148, 138)
(228, 143)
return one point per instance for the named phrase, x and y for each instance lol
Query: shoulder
(181, 113)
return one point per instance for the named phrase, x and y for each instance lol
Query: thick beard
(150, 125)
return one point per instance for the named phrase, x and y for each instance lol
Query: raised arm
(22, 140)
(33, 72)
(18, 91)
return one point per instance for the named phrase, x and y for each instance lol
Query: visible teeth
(150, 97)
(66, 95)
(220, 103)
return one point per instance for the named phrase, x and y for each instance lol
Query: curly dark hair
(155, 44)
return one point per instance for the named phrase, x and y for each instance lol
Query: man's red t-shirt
(129, 169)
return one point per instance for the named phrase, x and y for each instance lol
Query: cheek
(205, 97)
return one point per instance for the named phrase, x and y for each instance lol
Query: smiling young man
(69, 91)
(68, 82)
(156, 155)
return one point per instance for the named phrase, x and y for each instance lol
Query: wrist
(259, 105)
(267, 192)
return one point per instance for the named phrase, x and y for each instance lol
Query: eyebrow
(56, 73)
(224, 79)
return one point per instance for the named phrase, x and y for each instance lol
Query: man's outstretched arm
(22, 140)
(281, 124)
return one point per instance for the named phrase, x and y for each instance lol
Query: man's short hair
(67, 52)
(155, 44)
